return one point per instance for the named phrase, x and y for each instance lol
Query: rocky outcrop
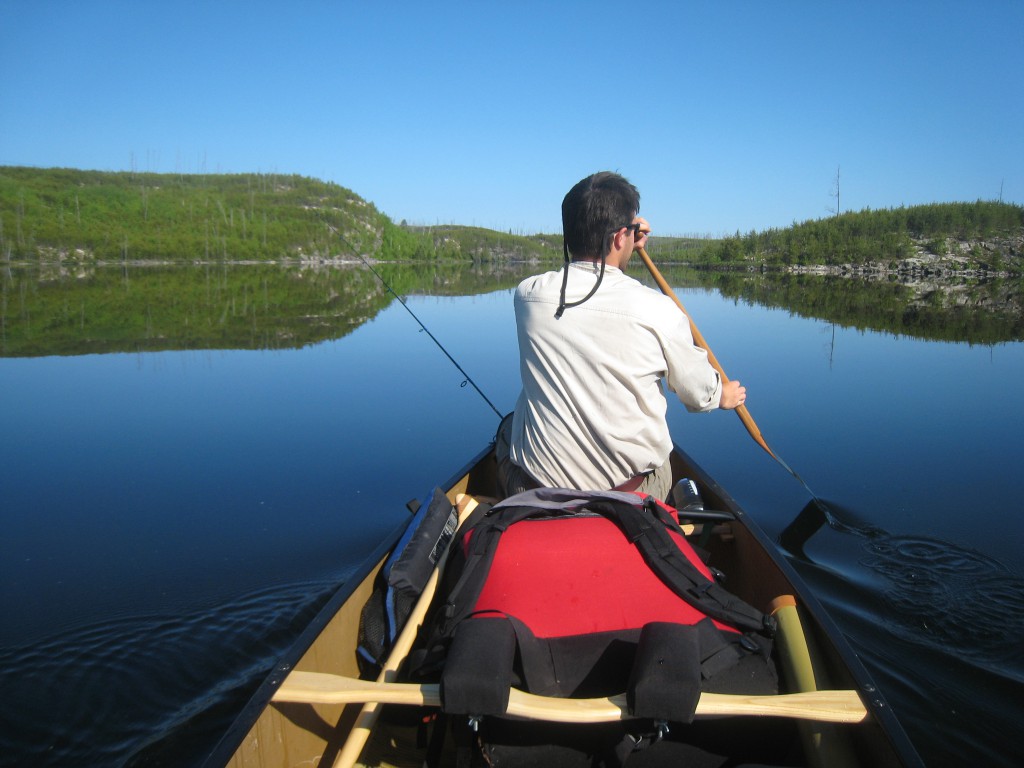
(999, 256)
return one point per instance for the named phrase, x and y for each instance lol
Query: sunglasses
(634, 228)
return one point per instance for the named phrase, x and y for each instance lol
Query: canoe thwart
(842, 706)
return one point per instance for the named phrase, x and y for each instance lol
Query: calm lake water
(171, 519)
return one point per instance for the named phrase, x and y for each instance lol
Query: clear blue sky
(727, 115)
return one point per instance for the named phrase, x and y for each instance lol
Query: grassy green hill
(63, 215)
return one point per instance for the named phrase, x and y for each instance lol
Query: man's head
(593, 210)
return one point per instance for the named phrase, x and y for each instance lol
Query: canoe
(312, 710)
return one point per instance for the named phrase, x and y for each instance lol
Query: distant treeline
(63, 215)
(487, 244)
(885, 236)
(57, 214)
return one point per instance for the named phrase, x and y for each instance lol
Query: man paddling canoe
(594, 349)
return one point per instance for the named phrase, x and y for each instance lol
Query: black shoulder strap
(484, 533)
(643, 522)
(647, 526)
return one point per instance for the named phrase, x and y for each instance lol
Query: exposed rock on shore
(939, 259)
(949, 273)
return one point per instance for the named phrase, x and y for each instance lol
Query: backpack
(402, 579)
(579, 594)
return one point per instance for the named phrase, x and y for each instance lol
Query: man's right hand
(733, 395)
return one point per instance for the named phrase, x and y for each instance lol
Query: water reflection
(145, 492)
(50, 310)
(976, 311)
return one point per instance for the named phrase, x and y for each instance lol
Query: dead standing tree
(835, 193)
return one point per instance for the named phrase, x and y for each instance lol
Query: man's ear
(617, 249)
(619, 240)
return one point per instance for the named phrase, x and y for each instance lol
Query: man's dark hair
(595, 207)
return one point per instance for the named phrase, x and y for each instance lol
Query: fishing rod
(468, 379)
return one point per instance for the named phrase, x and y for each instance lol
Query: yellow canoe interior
(289, 734)
(307, 734)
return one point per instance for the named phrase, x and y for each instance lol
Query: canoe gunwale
(232, 739)
(885, 736)
(871, 694)
(261, 698)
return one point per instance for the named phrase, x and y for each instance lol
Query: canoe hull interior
(277, 734)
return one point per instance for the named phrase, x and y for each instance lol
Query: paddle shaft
(698, 339)
(825, 746)
(370, 712)
(741, 411)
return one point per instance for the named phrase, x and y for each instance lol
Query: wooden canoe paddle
(741, 411)
(370, 712)
(698, 339)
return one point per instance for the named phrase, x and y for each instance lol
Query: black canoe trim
(870, 693)
(260, 700)
(890, 727)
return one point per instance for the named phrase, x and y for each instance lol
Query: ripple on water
(950, 597)
(100, 694)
